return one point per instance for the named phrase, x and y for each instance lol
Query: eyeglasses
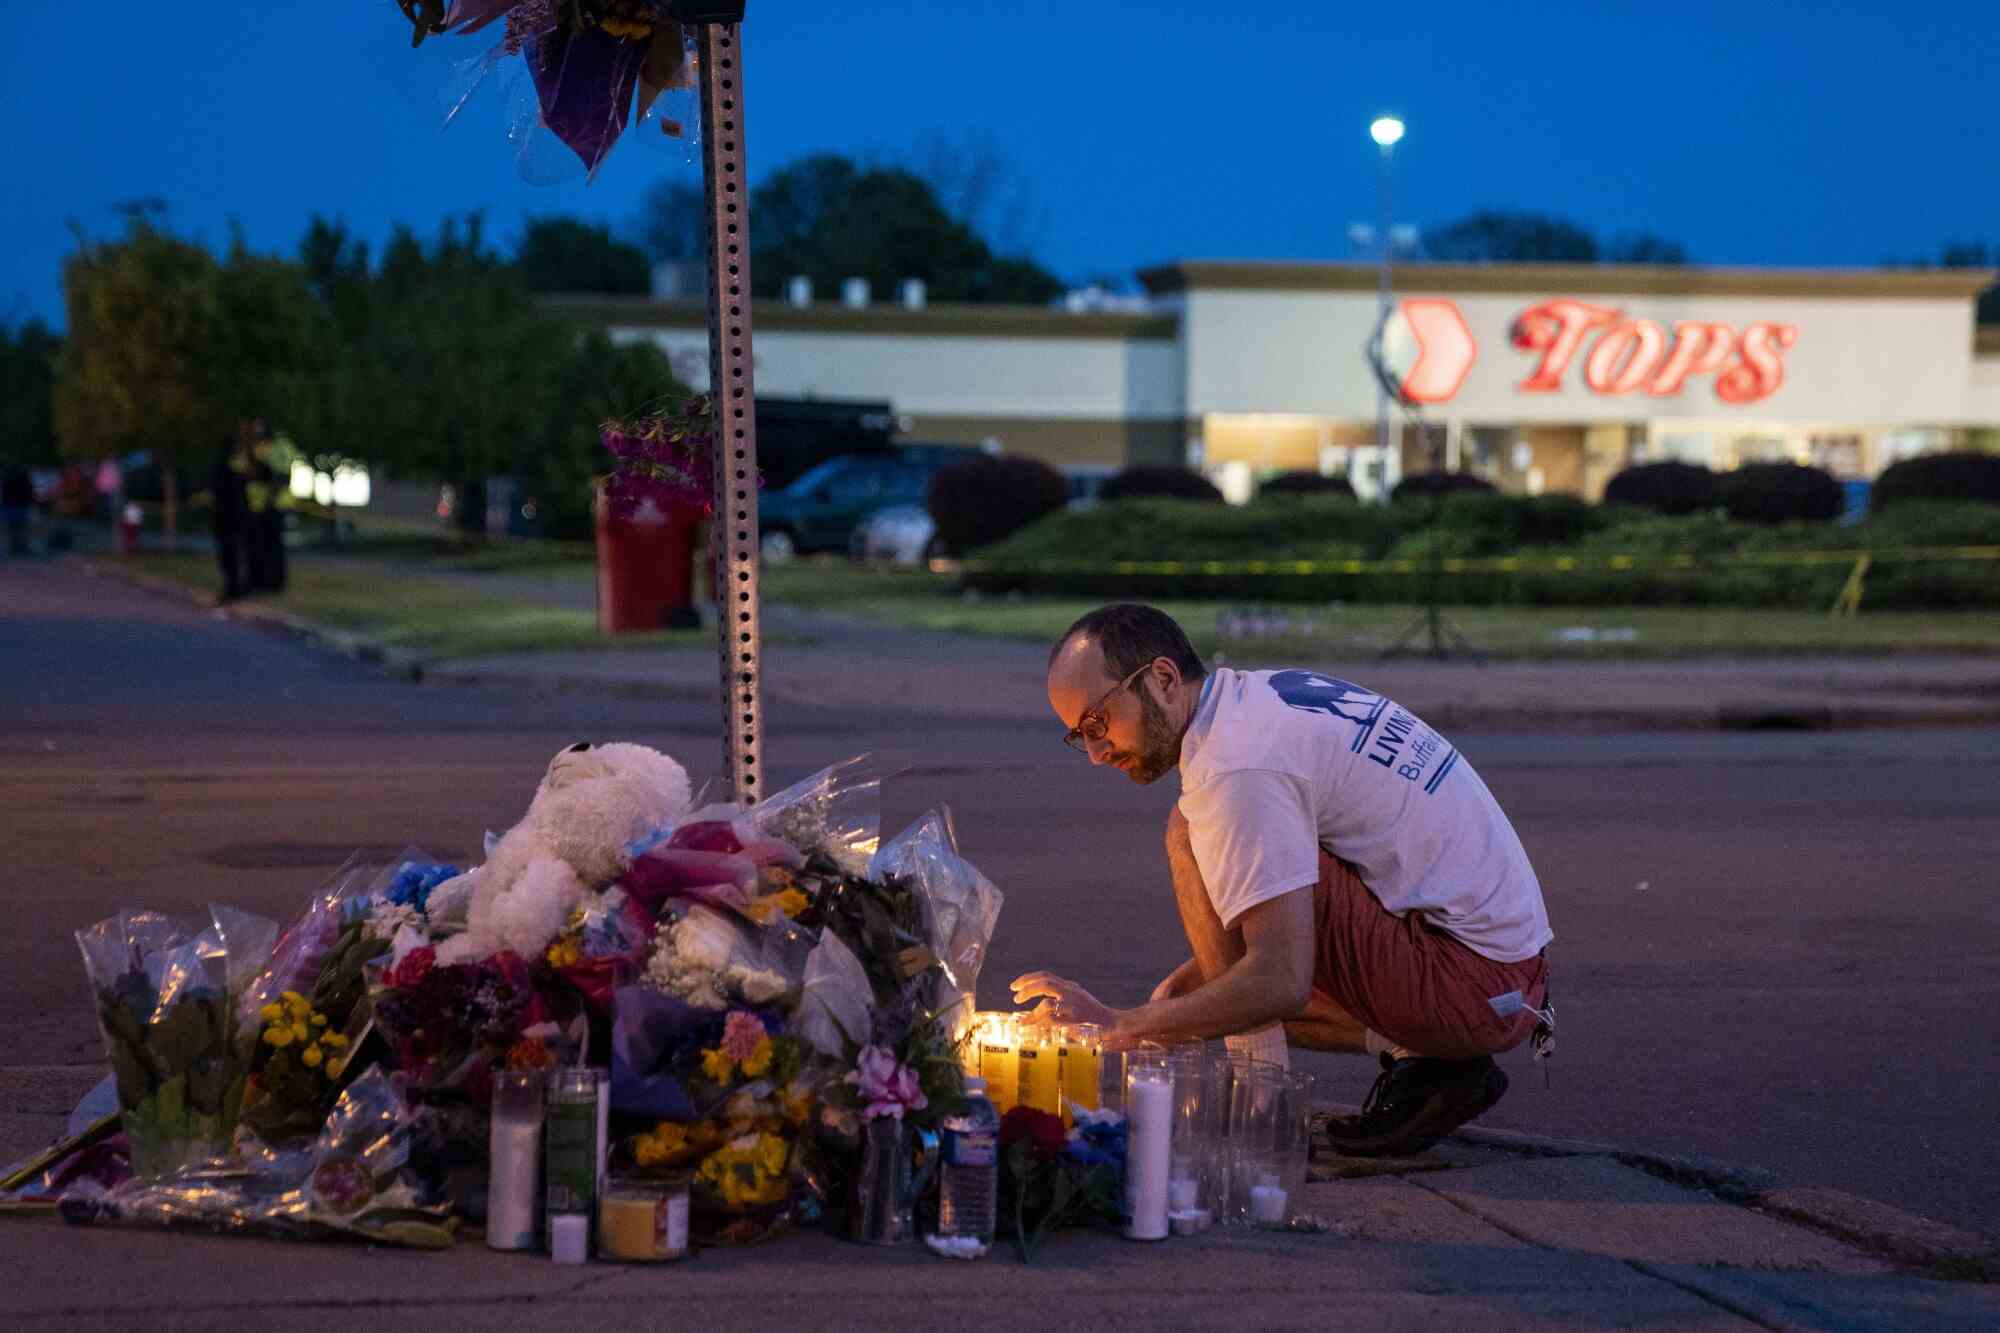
(1092, 726)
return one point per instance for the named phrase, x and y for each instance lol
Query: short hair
(1131, 635)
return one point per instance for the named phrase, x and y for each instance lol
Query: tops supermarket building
(1540, 378)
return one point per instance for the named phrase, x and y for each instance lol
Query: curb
(1931, 1248)
(1758, 715)
(393, 661)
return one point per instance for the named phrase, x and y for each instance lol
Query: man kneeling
(1345, 879)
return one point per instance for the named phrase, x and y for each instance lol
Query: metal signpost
(725, 185)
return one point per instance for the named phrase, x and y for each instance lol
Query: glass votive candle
(1038, 1053)
(1078, 1058)
(643, 1219)
(999, 1059)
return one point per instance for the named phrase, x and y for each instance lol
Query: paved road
(1773, 949)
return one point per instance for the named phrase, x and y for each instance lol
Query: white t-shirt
(1277, 764)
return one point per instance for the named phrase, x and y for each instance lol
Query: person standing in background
(265, 532)
(17, 504)
(229, 515)
(110, 486)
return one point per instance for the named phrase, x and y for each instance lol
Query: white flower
(756, 985)
(705, 938)
(386, 920)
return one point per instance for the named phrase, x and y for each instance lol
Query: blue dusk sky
(1780, 133)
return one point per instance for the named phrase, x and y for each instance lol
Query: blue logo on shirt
(1314, 693)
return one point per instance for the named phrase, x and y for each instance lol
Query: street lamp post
(1386, 131)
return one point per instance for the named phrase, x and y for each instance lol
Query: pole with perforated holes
(726, 189)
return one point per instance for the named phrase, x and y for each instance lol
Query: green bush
(1779, 493)
(1669, 487)
(982, 500)
(1288, 485)
(1329, 529)
(1419, 485)
(1965, 475)
(1175, 482)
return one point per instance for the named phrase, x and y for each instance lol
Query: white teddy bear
(593, 802)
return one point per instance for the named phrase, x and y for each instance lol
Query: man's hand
(1064, 1000)
(1183, 980)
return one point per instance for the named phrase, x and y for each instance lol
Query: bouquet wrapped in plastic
(354, 1180)
(166, 999)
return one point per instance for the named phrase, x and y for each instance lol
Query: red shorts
(1411, 982)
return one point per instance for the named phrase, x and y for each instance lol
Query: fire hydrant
(129, 520)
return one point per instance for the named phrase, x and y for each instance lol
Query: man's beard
(1159, 744)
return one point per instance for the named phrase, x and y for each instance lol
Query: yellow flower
(671, 1136)
(278, 1036)
(647, 1151)
(717, 1066)
(312, 1056)
(292, 998)
(761, 910)
(760, 1059)
(299, 1032)
(271, 1013)
(791, 902)
(565, 952)
(797, 1103)
(319, 1020)
(772, 1153)
(334, 1039)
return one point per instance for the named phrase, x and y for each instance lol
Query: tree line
(434, 359)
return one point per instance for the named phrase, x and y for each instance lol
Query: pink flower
(741, 1032)
(887, 1087)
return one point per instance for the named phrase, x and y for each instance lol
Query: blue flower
(414, 882)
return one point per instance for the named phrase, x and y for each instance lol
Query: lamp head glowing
(1386, 130)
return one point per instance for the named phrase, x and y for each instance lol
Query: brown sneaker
(1414, 1103)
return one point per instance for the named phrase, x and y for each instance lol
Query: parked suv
(821, 509)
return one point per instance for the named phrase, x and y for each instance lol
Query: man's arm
(1270, 983)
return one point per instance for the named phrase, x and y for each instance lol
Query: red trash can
(645, 569)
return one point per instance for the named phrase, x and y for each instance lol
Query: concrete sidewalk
(1489, 1229)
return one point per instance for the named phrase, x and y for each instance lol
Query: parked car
(825, 507)
(899, 535)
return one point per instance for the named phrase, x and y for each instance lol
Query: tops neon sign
(1630, 355)
(1620, 354)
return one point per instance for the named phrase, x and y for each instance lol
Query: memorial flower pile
(763, 984)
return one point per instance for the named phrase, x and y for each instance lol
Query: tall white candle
(513, 1185)
(1149, 1112)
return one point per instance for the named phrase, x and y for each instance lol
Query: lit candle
(1149, 1110)
(1267, 1205)
(999, 1061)
(1078, 1058)
(1040, 1080)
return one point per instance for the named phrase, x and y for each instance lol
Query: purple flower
(887, 1087)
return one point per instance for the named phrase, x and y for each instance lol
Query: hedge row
(1483, 526)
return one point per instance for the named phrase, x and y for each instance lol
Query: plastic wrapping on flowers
(165, 998)
(354, 1179)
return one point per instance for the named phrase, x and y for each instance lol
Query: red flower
(416, 965)
(1039, 1128)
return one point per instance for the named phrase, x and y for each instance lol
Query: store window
(1838, 454)
(1694, 448)
(1760, 449)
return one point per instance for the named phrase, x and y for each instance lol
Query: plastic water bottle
(969, 1177)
